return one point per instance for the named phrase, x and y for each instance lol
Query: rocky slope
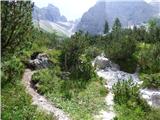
(50, 19)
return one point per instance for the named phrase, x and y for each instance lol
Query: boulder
(114, 66)
(101, 62)
(151, 96)
(39, 61)
(156, 100)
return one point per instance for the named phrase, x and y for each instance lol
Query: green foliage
(120, 49)
(16, 26)
(11, 70)
(54, 55)
(16, 104)
(151, 81)
(129, 105)
(43, 40)
(46, 80)
(71, 52)
(147, 35)
(153, 115)
(125, 113)
(152, 23)
(82, 93)
(106, 27)
(74, 58)
(17, 38)
(92, 52)
(128, 65)
(79, 97)
(86, 70)
(117, 25)
(148, 57)
(126, 92)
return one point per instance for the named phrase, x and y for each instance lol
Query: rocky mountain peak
(50, 13)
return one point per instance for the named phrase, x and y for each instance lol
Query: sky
(72, 9)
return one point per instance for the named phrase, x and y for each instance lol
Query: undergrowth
(79, 98)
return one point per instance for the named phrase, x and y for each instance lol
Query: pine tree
(116, 25)
(106, 27)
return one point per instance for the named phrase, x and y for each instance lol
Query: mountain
(50, 13)
(50, 19)
(93, 20)
(156, 5)
(129, 13)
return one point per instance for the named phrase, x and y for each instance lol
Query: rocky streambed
(112, 74)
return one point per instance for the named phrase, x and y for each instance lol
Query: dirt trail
(109, 114)
(40, 100)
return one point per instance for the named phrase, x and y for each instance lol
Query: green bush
(74, 59)
(128, 65)
(92, 52)
(12, 70)
(85, 71)
(46, 80)
(148, 57)
(121, 48)
(127, 92)
(125, 113)
(151, 81)
(44, 40)
(16, 26)
(153, 115)
(129, 105)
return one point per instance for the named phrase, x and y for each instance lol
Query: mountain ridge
(129, 13)
(51, 13)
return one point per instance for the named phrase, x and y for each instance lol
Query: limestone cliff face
(50, 13)
(93, 20)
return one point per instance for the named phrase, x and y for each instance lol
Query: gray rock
(40, 61)
(151, 96)
(115, 67)
(101, 62)
(156, 100)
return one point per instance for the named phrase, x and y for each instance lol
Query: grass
(16, 104)
(79, 98)
(125, 113)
